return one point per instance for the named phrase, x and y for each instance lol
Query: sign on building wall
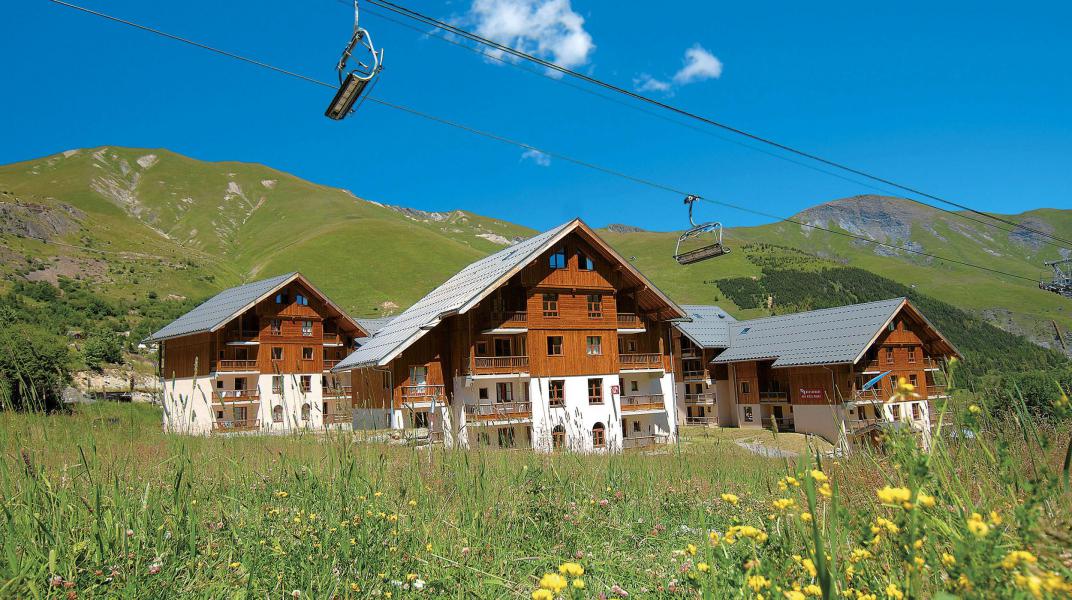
(812, 394)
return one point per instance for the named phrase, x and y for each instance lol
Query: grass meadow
(100, 503)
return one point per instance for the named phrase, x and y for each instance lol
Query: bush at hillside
(33, 367)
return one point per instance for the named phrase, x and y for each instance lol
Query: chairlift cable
(412, 14)
(506, 140)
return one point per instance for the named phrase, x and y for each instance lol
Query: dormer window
(301, 300)
(558, 259)
(281, 298)
(584, 262)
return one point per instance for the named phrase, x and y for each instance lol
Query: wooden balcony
(642, 402)
(228, 425)
(630, 321)
(333, 338)
(499, 411)
(235, 366)
(693, 375)
(879, 365)
(422, 393)
(331, 363)
(500, 364)
(337, 418)
(774, 396)
(236, 396)
(338, 391)
(705, 399)
(643, 441)
(691, 353)
(704, 421)
(648, 360)
(239, 338)
(517, 318)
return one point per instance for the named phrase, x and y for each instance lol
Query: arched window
(277, 414)
(305, 412)
(599, 436)
(558, 437)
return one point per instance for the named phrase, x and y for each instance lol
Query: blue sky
(965, 100)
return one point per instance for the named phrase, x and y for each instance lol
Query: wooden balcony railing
(236, 336)
(494, 411)
(422, 393)
(501, 362)
(338, 391)
(331, 363)
(691, 353)
(225, 425)
(510, 316)
(709, 420)
(641, 361)
(336, 418)
(692, 375)
(774, 396)
(231, 366)
(700, 399)
(630, 321)
(923, 362)
(232, 396)
(642, 402)
(643, 441)
(332, 337)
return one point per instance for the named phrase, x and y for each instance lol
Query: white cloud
(699, 65)
(646, 83)
(549, 29)
(537, 157)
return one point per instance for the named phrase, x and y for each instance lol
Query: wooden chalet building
(257, 357)
(809, 372)
(554, 342)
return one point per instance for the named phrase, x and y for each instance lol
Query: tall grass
(100, 503)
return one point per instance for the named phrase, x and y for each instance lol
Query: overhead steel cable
(506, 140)
(415, 15)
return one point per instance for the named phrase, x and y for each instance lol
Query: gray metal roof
(463, 288)
(372, 325)
(819, 337)
(709, 327)
(221, 308)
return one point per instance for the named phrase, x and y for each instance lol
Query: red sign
(812, 394)
(614, 390)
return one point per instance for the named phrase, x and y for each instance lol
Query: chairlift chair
(710, 233)
(1062, 279)
(353, 84)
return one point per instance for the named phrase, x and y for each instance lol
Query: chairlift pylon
(353, 84)
(1062, 279)
(709, 232)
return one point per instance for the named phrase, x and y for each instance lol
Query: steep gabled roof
(709, 327)
(220, 309)
(373, 325)
(818, 337)
(469, 286)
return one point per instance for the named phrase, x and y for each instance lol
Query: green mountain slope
(133, 220)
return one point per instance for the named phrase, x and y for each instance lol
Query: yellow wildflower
(793, 595)
(948, 559)
(805, 517)
(813, 590)
(995, 518)
(354, 587)
(1031, 583)
(553, 582)
(859, 554)
(691, 549)
(819, 476)
(578, 584)
(236, 565)
(974, 409)
(1016, 557)
(892, 495)
(758, 583)
(925, 501)
(825, 490)
(809, 566)
(731, 498)
(428, 547)
(542, 594)
(892, 591)
(572, 569)
(703, 567)
(784, 503)
(977, 526)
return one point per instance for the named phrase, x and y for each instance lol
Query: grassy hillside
(133, 220)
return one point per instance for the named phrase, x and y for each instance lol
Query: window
(595, 391)
(240, 413)
(504, 392)
(917, 414)
(595, 306)
(482, 348)
(503, 347)
(584, 262)
(301, 300)
(219, 384)
(599, 436)
(889, 356)
(420, 420)
(281, 298)
(277, 326)
(558, 259)
(892, 326)
(550, 305)
(594, 345)
(554, 345)
(483, 393)
(896, 410)
(558, 437)
(307, 353)
(913, 379)
(634, 386)
(219, 415)
(306, 383)
(277, 384)
(506, 437)
(277, 353)
(912, 354)
(636, 426)
(307, 328)
(277, 414)
(305, 412)
(556, 392)
(630, 346)
(746, 388)
(748, 414)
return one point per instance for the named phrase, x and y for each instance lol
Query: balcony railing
(774, 396)
(422, 392)
(641, 361)
(643, 441)
(336, 418)
(925, 362)
(630, 321)
(225, 425)
(331, 363)
(710, 420)
(702, 399)
(936, 390)
(231, 366)
(499, 411)
(642, 402)
(694, 375)
(691, 353)
(501, 362)
(244, 336)
(338, 391)
(231, 396)
(332, 337)
(510, 316)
